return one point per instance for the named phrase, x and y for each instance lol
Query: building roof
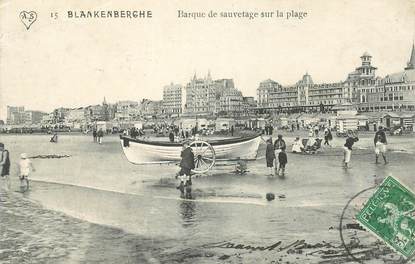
(366, 54)
(411, 63)
(403, 76)
(306, 80)
(397, 115)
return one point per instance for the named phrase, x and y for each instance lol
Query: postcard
(190, 131)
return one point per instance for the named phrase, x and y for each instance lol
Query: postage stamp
(389, 214)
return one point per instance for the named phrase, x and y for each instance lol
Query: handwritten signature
(276, 246)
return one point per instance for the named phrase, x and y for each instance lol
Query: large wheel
(205, 156)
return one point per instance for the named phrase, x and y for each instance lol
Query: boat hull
(140, 152)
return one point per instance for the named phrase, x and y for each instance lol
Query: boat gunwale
(218, 142)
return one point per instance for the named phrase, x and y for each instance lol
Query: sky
(76, 62)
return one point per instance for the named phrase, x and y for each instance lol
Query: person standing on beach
(171, 136)
(347, 148)
(25, 166)
(380, 144)
(232, 130)
(186, 165)
(270, 156)
(279, 145)
(5, 166)
(283, 160)
(310, 133)
(94, 135)
(100, 135)
(327, 136)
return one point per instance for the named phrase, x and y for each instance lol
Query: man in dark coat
(186, 165)
(5, 166)
(171, 136)
(270, 156)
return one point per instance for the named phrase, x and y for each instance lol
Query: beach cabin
(407, 121)
(224, 124)
(345, 123)
(187, 123)
(138, 125)
(331, 122)
(202, 123)
(308, 120)
(390, 120)
(257, 123)
(394, 120)
(362, 123)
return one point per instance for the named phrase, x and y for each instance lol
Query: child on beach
(282, 159)
(270, 156)
(279, 145)
(25, 166)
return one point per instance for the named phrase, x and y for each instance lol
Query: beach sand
(89, 205)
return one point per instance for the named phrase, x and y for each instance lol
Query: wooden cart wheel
(205, 156)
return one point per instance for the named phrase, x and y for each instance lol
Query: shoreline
(136, 219)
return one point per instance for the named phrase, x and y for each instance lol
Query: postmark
(389, 215)
(28, 18)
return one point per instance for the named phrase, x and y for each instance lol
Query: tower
(411, 63)
(366, 68)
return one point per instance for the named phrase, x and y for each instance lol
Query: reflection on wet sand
(188, 211)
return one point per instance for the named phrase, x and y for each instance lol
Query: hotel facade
(362, 88)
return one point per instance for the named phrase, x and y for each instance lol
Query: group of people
(379, 140)
(268, 129)
(25, 167)
(276, 157)
(98, 135)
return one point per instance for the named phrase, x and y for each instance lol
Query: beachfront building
(395, 92)
(76, 117)
(362, 82)
(108, 111)
(305, 95)
(47, 120)
(32, 117)
(172, 100)
(248, 105)
(151, 109)
(15, 115)
(264, 91)
(327, 94)
(94, 113)
(231, 102)
(362, 88)
(59, 115)
(203, 95)
(127, 110)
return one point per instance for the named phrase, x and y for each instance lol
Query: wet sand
(127, 215)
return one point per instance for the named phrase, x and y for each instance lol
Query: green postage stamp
(389, 213)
